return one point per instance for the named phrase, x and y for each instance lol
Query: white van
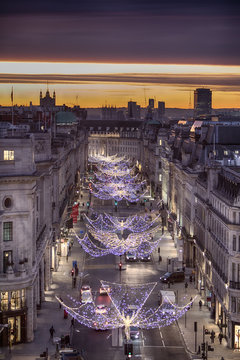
(167, 300)
(86, 297)
(166, 296)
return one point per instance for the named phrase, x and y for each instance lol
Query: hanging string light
(127, 309)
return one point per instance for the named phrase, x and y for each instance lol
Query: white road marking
(161, 337)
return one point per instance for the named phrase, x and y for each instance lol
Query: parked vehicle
(172, 277)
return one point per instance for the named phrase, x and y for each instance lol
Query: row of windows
(12, 300)
(225, 211)
(235, 306)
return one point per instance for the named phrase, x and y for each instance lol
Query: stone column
(42, 279)
(30, 313)
(47, 270)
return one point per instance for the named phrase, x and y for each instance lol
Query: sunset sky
(108, 52)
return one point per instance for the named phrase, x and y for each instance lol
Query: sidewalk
(50, 313)
(202, 317)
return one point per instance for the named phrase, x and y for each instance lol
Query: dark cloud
(220, 82)
(172, 7)
(116, 38)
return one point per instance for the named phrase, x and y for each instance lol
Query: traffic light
(203, 346)
(145, 200)
(128, 350)
(88, 203)
(120, 266)
(115, 202)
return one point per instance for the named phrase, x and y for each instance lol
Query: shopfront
(236, 335)
(14, 313)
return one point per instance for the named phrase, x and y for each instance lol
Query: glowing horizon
(94, 84)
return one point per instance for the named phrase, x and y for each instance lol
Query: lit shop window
(160, 142)
(8, 155)
(12, 300)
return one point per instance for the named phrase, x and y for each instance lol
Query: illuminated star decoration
(128, 309)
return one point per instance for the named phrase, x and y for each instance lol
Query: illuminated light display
(134, 223)
(127, 309)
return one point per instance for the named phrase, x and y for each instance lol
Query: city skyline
(135, 49)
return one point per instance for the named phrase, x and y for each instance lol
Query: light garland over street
(127, 309)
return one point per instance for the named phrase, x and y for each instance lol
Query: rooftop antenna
(190, 100)
(145, 101)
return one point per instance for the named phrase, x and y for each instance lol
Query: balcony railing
(234, 285)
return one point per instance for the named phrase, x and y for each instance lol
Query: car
(86, 294)
(172, 277)
(101, 309)
(71, 354)
(134, 332)
(168, 308)
(146, 257)
(131, 256)
(104, 290)
(85, 288)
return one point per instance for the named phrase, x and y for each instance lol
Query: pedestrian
(65, 314)
(212, 336)
(60, 303)
(159, 258)
(52, 331)
(76, 271)
(200, 304)
(186, 285)
(220, 337)
(191, 301)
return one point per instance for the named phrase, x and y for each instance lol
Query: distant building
(47, 101)
(109, 113)
(161, 109)
(202, 102)
(151, 103)
(133, 110)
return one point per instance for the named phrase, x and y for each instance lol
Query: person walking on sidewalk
(212, 336)
(200, 304)
(220, 337)
(52, 331)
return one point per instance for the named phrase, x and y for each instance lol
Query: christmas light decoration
(127, 309)
(111, 159)
(134, 223)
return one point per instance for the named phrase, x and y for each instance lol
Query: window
(7, 259)
(159, 164)
(234, 243)
(225, 152)
(233, 304)
(234, 217)
(8, 155)
(160, 177)
(7, 203)
(233, 271)
(160, 142)
(7, 231)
